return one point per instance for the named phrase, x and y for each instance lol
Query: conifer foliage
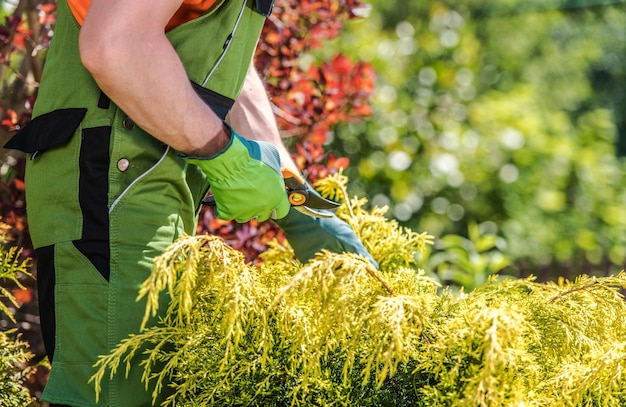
(337, 331)
(14, 353)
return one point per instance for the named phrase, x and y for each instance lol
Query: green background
(506, 119)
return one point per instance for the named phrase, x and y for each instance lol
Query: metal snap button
(128, 123)
(123, 164)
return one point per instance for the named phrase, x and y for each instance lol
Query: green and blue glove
(245, 180)
(308, 235)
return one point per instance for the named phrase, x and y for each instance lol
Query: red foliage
(13, 121)
(22, 296)
(13, 35)
(309, 101)
(316, 163)
(13, 207)
(16, 34)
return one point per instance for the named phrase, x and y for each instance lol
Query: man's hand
(246, 181)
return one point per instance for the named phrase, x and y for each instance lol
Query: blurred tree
(507, 115)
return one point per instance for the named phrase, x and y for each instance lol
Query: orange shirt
(189, 10)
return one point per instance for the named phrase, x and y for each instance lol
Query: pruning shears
(301, 197)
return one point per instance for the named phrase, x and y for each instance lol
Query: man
(128, 132)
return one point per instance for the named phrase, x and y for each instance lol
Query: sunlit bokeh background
(505, 116)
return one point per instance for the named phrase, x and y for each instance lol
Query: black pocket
(47, 131)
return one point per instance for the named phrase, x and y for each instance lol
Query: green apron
(104, 197)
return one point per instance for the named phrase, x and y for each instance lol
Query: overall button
(123, 164)
(128, 123)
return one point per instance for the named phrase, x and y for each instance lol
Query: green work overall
(104, 197)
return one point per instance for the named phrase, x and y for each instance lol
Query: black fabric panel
(45, 295)
(264, 7)
(104, 102)
(220, 104)
(46, 131)
(92, 195)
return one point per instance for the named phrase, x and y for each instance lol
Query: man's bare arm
(123, 45)
(252, 115)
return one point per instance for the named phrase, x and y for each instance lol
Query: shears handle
(297, 190)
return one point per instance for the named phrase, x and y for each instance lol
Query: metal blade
(316, 201)
(316, 213)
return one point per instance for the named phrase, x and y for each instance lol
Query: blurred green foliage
(467, 262)
(498, 115)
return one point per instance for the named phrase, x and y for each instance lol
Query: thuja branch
(573, 290)
(372, 272)
(617, 281)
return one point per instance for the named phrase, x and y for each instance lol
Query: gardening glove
(308, 235)
(245, 180)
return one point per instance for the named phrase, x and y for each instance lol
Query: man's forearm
(253, 117)
(123, 45)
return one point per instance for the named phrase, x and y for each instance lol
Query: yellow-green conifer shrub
(15, 354)
(338, 332)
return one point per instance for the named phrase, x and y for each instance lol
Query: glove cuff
(225, 163)
(231, 159)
